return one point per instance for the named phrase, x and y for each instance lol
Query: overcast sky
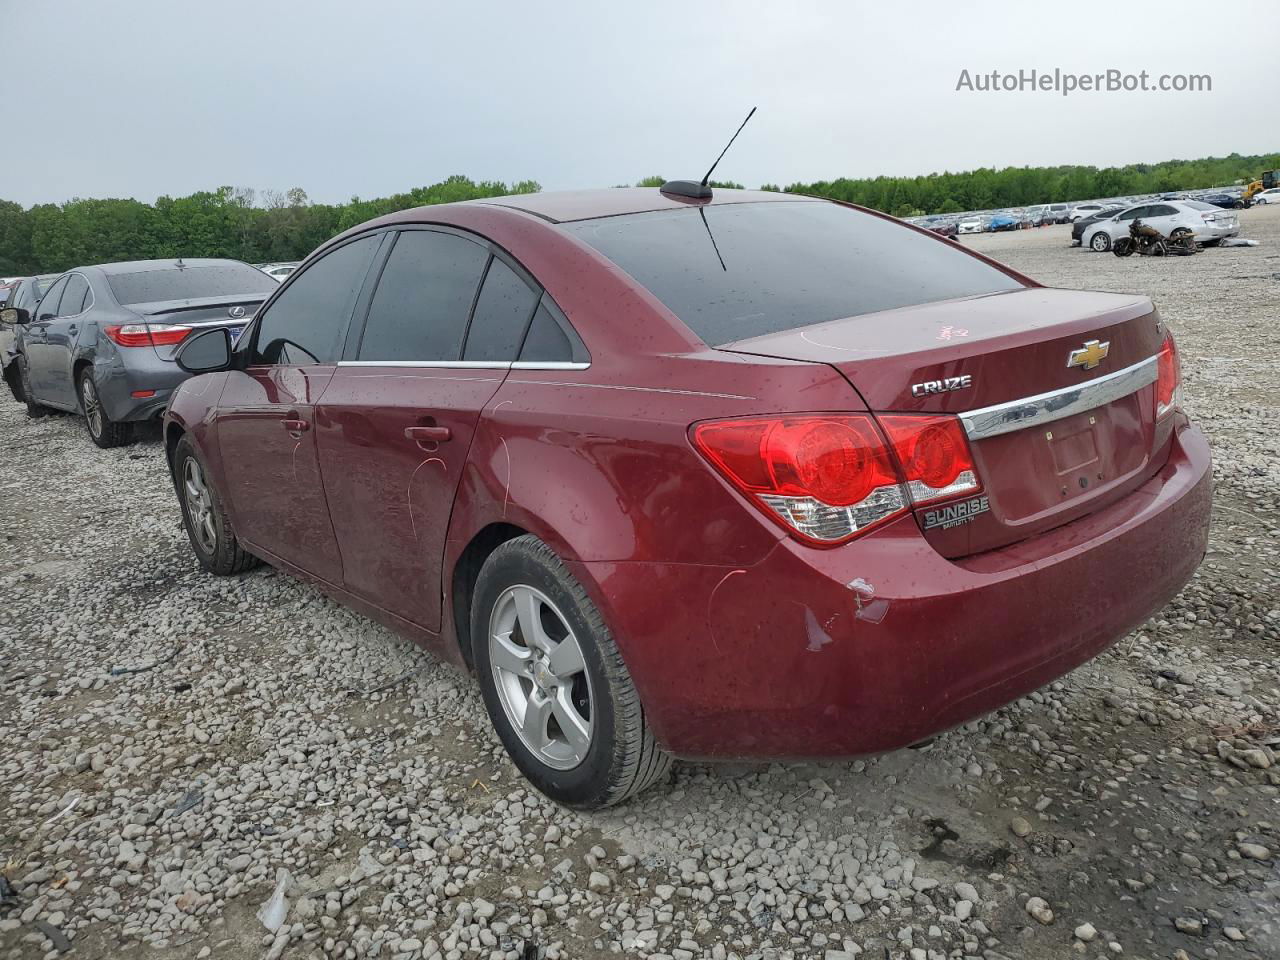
(137, 98)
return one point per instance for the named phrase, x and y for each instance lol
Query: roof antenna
(700, 191)
(715, 246)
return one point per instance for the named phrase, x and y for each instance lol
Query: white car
(1268, 196)
(971, 225)
(278, 271)
(1207, 223)
(1085, 210)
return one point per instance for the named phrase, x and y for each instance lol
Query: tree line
(272, 226)
(988, 189)
(228, 222)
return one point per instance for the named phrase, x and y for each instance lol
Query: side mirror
(11, 316)
(206, 352)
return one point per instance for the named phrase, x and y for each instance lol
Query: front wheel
(208, 527)
(34, 409)
(554, 683)
(103, 431)
(1100, 242)
(1123, 247)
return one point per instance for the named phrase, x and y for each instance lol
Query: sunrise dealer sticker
(954, 514)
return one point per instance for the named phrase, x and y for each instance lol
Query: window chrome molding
(468, 364)
(1058, 404)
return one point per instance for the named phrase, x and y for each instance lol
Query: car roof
(569, 205)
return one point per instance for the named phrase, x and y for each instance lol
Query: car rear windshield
(189, 283)
(735, 271)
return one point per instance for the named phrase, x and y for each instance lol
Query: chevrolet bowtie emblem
(1090, 355)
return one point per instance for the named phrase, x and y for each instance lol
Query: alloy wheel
(199, 505)
(541, 677)
(92, 406)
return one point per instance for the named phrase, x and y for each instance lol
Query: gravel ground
(172, 744)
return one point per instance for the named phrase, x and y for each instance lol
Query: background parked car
(1057, 213)
(942, 226)
(974, 224)
(1080, 226)
(27, 293)
(1082, 210)
(278, 271)
(1002, 221)
(1207, 223)
(1268, 196)
(103, 338)
(1227, 201)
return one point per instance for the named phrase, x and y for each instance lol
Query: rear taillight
(934, 454)
(146, 334)
(830, 478)
(1168, 377)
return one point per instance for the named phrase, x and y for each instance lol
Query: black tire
(103, 431)
(221, 553)
(1100, 242)
(622, 758)
(1211, 243)
(1123, 247)
(24, 379)
(13, 377)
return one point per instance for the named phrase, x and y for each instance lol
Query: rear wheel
(554, 683)
(103, 431)
(208, 527)
(1100, 242)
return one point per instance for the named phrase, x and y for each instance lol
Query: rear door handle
(428, 434)
(296, 426)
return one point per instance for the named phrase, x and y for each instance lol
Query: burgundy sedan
(751, 476)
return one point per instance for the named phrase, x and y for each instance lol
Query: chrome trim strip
(468, 364)
(1057, 404)
(431, 364)
(551, 365)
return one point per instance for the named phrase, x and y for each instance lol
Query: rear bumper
(119, 376)
(782, 659)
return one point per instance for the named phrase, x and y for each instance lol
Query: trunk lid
(200, 312)
(1005, 351)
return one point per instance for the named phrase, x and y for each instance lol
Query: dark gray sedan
(102, 340)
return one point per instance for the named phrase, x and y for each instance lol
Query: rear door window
(735, 271)
(419, 311)
(306, 324)
(501, 316)
(48, 308)
(74, 297)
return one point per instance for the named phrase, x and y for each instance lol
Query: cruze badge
(941, 386)
(1090, 355)
(954, 514)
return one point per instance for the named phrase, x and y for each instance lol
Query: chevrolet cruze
(754, 475)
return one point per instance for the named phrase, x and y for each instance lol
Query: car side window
(419, 311)
(501, 316)
(48, 308)
(1132, 213)
(307, 322)
(1162, 210)
(74, 296)
(551, 339)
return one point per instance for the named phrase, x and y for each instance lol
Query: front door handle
(296, 427)
(428, 434)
